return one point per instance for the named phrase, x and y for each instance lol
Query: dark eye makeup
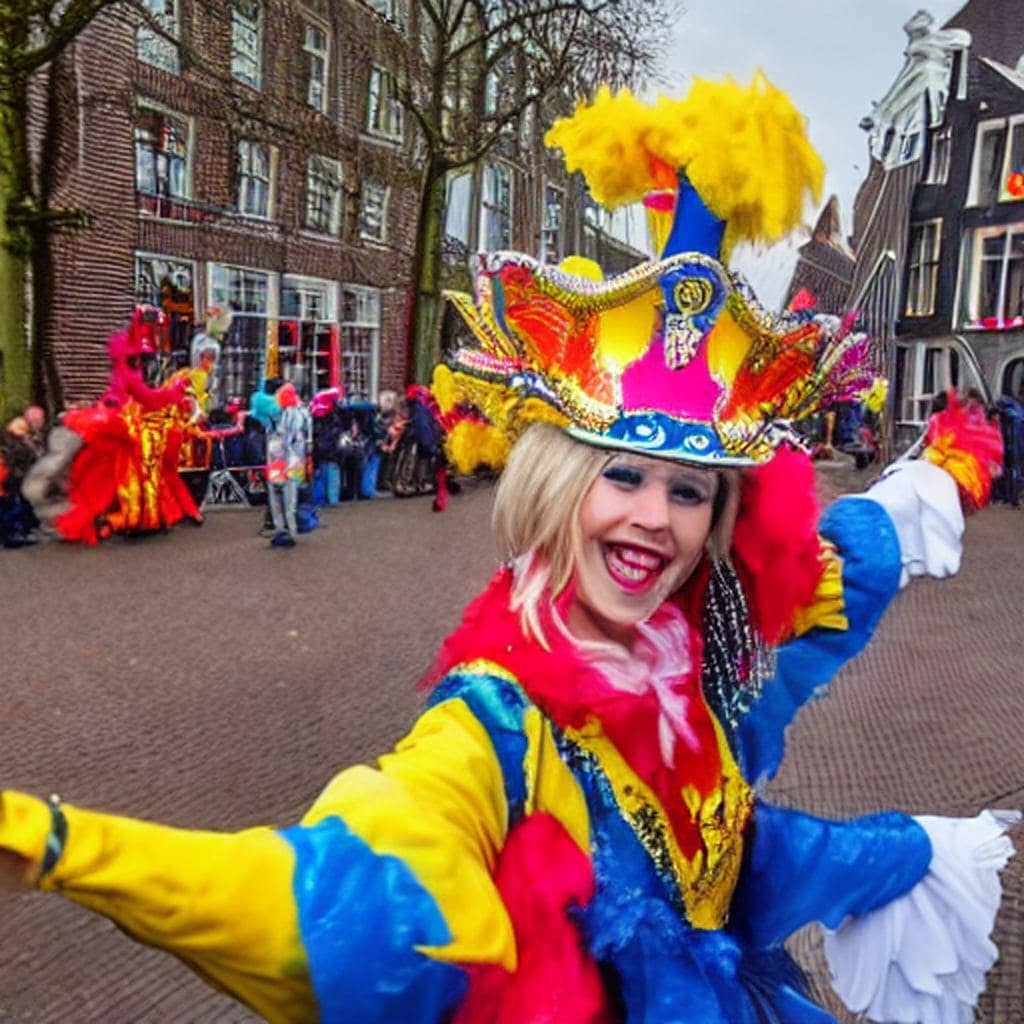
(618, 473)
(683, 490)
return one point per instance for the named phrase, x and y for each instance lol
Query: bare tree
(476, 67)
(32, 34)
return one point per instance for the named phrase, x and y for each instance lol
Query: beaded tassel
(737, 662)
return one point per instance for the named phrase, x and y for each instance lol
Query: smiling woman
(570, 833)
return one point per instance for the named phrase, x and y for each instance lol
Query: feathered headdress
(675, 357)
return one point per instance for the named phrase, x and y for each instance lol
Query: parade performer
(124, 474)
(570, 833)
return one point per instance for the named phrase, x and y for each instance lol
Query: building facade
(824, 264)
(939, 222)
(255, 155)
(251, 155)
(521, 197)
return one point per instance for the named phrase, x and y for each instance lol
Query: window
(360, 341)
(323, 195)
(245, 291)
(994, 287)
(457, 207)
(244, 351)
(166, 283)
(1012, 181)
(988, 159)
(551, 229)
(308, 334)
(388, 9)
(373, 212)
(496, 208)
(908, 151)
(246, 40)
(254, 177)
(922, 267)
(937, 172)
(925, 371)
(383, 107)
(162, 145)
(315, 47)
(153, 47)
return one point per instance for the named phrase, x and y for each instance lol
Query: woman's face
(643, 527)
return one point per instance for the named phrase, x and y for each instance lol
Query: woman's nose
(650, 508)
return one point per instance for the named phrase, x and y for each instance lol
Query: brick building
(257, 158)
(824, 265)
(255, 155)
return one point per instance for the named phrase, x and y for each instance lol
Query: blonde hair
(537, 511)
(537, 514)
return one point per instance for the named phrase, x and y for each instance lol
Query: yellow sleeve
(438, 804)
(222, 902)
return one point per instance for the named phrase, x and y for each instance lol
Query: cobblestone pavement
(201, 679)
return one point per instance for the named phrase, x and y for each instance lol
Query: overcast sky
(833, 57)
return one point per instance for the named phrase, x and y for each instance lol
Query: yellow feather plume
(744, 148)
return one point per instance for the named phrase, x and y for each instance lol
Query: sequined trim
(702, 887)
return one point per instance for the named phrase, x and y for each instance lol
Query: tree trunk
(15, 362)
(426, 319)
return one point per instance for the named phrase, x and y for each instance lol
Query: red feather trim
(541, 875)
(775, 544)
(570, 691)
(967, 446)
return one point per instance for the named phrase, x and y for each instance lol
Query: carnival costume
(124, 477)
(570, 832)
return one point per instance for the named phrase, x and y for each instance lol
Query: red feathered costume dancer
(126, 474)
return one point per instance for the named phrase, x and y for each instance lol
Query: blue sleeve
(866, 540)
(363, 917)
(798, 869)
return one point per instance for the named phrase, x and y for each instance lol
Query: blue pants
(327, 483)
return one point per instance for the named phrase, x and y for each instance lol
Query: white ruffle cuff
(922, 959)
(923, 503)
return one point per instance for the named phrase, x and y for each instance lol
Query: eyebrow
(676, 470)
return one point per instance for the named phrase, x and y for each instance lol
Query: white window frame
(983, 128)
(306, 375)
(384, 113)
(242, 175)
(1012, 124)
(305, 286)
(247, 44)
(313, 56)
(917, 404)
(940, 153)
(219, 294)
(920, 301)
(488, 206)
(190, 126)
(154, 49)
(384, 192)
(910, 144)
(358, 323)
(326, 164)
(552, 236)
(142, 256)
(973, 277)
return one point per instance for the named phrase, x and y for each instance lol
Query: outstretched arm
(367, 908)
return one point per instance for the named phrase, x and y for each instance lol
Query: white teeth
(633, 572)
